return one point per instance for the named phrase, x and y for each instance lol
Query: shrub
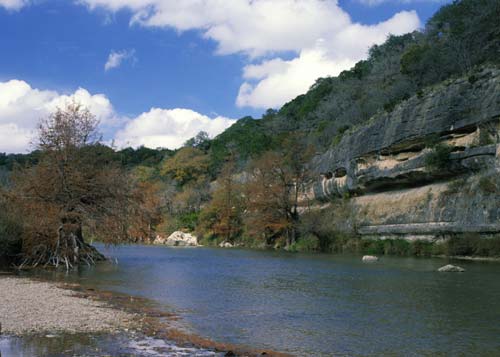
(308, 243)
(456, 186)
(421, 248)
(473, 244)
(10, 239)
(439, 157)
(487, 184)
(485, 137)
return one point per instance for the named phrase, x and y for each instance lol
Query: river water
(314, 305)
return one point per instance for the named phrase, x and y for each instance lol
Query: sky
(156, 72)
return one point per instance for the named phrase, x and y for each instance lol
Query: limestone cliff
(386, 166)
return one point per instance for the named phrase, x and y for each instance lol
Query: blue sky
(177, 67)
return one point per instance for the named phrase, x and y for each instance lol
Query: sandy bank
(28, 306)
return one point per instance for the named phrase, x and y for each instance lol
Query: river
(314, 305)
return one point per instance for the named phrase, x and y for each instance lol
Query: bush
(308, 243)
(439, 157)
(421, 248)
(473, 244)
(487, 184)
(10, 239)
(456, 186)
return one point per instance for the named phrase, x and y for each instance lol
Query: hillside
(405, 145)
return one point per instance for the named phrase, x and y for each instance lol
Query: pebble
(29, 306)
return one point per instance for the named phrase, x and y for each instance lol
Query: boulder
(226, 245)
(178, 239)
(451, 269)
(370, 258)
(159, 239)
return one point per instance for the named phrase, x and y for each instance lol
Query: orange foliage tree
(222, 217)
(74, 190)
(277, 180)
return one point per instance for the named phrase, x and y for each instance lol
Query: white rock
(370, 258)
(178, 239)
(225, 245)
(451, 269)
(159, 240)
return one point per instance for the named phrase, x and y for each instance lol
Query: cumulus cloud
(379, 2)
(115, 59)
(323, 36)
(13, 4)
(272, 83)
(21, 108)
(255, 27)
(168, 128)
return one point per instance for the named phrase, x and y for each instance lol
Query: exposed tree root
(69, 250)
(87, 255)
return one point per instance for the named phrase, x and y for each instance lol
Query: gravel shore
(28, 306)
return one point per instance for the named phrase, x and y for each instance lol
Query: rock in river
(451, 269)
(370, 258)
(178, 239)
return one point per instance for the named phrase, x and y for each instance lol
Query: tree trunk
(71, 249)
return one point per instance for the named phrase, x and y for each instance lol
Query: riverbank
(39, 314)
(30, 307)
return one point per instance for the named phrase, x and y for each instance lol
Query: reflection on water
(94, 345)
(314, 305)
(59, 345)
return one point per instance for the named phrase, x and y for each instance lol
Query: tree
(72, 191)
(187, 165)
(223, 215)
(269, 114)
(200, 141)
(274, 190)
(150, 201)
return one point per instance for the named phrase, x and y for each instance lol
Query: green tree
(187, 165)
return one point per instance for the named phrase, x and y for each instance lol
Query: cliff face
(389, 164)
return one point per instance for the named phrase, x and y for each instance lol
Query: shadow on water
(312, 305)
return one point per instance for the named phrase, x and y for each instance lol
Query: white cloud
(21, 108)
(168, 128)
(254, 27)
(115, 59)
(272, 83)
(13, 4)
(378, 2)
(323, 36)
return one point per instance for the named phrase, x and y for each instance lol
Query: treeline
(247, 185)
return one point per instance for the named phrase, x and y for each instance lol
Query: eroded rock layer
(426, 169)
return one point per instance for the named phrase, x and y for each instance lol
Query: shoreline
(477, 258)
(33, 307)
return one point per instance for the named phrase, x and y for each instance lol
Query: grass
(457, 245)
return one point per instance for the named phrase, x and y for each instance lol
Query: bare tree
(75, 189)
